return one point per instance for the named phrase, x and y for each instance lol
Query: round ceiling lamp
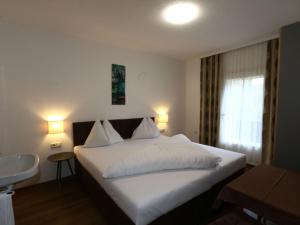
(180, 12)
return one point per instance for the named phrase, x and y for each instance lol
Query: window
(242, 101)
(241, 112)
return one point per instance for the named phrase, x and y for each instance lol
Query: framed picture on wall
(118, 84)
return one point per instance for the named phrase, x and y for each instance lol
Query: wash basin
(17, 167)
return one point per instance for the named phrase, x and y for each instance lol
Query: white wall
(45, 73)
(192, 98)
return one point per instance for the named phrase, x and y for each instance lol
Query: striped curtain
(209, 100)
(270, 101)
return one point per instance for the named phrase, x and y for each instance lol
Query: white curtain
(242, 101)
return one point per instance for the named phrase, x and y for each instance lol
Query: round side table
(59, 158)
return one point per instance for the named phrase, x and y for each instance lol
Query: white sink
(13, 169)
(17, 167)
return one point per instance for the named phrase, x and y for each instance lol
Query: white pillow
(147, 129)
(180, 138)
(97, 136)
(112, 135)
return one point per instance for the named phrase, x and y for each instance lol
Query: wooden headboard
(125, 128)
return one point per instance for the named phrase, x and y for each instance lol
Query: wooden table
(59, 158)
(271, 192)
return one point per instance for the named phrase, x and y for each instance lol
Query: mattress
(146, 197)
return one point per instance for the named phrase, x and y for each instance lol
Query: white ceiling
(136, 24)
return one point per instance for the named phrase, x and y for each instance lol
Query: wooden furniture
(59, 158)
(196, 209)
(125, 128)
(273, 193)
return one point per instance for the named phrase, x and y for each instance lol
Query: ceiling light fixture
(180, 12)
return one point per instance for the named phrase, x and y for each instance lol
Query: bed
(163, 197)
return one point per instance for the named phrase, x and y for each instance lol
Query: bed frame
(193, 212)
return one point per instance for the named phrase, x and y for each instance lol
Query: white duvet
(176, 153)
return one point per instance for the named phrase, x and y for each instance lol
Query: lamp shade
(55, 126)
(163, 118)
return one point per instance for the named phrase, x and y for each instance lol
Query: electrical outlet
(56, 145)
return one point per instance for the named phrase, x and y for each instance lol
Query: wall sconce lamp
(162, 120)
(55, 126)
